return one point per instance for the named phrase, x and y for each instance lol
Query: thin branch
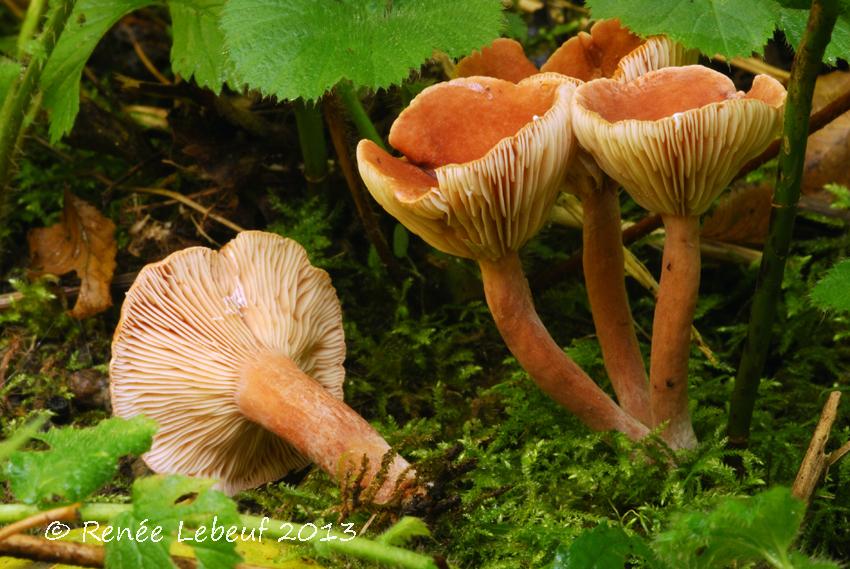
(816, 461)
(798, 106)
(355, 186)
(64, 513)
(176, 196)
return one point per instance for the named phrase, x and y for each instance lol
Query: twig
(355, 186)
(143, 57)
(120, 282)
(64, 513)
(207, 211)
(798, 106)
(816, 461)
(14, 8)
(838, 454)
(79, 554)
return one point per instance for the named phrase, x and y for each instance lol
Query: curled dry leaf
(741, 217)
(828, 150)
(84, 242)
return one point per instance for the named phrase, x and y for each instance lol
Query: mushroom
(484, 160)
(675, 138)
(609, 50)
(237, 355)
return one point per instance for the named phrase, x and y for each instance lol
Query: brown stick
(509, 299)
(355, 186)
(816, 460)
(671, 330)
(274, 393)
(42, 518)
(606, 289)
(70, 553)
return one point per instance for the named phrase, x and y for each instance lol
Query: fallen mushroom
(609, 50)
(675, 138)
(484, 160)
(237, 355)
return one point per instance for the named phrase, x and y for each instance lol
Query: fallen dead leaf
(828, 151)
(84, 242)
(742, 216)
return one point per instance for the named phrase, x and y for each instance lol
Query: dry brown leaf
(742, 216)
(828, 151)
(84, 242)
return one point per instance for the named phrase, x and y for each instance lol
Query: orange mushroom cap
(188, 326)
(675, 137)
(503, 59)
(484, 159)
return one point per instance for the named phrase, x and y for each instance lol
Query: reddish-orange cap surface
(503, 59)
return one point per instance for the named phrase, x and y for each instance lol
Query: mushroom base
(510, 302)
(671, 330)
(277, 395)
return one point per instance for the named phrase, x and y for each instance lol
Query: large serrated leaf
(603, 547)
(60, 80)
(302, 48)
(728, 27)
(198, 48)
(739, 530)
(833, 291)
(793, 23)
(159, 501)
(78, 462)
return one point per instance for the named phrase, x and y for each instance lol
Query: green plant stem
(791, 161)
(311, 136)
(31, 19)
(359, 547)
(20, 96)
(354, 107)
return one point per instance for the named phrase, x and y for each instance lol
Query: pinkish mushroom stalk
(675, 138)
(278, 396)
(609, 50)
(484, 160)
(509, 299)
(237, 355)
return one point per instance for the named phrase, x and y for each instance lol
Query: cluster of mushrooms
(238, 354)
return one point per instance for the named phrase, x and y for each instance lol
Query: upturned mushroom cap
(503, 59)
(484, 159)
(611, 50)
(188, 326)
(676, 137)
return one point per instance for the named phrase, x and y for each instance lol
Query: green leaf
(9, 71)
(198, 43)
(727, 27)
(793, 24)
(302, 48)
(161, 501)
(20, 437)
(603, 547)
(60, 80)
(833, 291)
(740, 530)
(78, 462)
(403, 531)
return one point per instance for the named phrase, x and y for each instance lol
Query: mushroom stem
(510, 302)
(604, 275)
(277, 395)
(671, 330)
